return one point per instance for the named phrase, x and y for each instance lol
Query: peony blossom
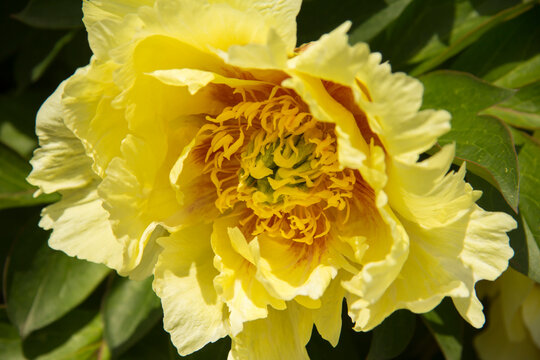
(513, 329)
(259, 182)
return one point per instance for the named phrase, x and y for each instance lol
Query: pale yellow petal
(331, 58)
(194, 315)
(60, 162)
(279, 15)
(382, 261)
(426, 194)
(197, 79)
(81, 228)
(89, 112)
(328, 317)
(531, 314)
(486, 252)
(494, 342)
(271, 55)
(111, 23)
(282, 335)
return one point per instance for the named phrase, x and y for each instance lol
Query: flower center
(273, 157)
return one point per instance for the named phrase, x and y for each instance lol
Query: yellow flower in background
(261, 184)
(513, 327)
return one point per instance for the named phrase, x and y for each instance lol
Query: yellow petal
(89, 113)
(531, 314)
(328, 317)
(332, 58)
(486, 251)
(183, 279)
(494, 343)
(81, 228)
(61, 161)
(236, 283)
(282, 335)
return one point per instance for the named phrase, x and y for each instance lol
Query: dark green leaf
(52, 14)
(497, 53)
(467, 33)
(37, 53)
(130, 310)
(484, 142)
(368, 17)
(14, 190)
(521, 110)
(44, 284)
(429, 32)
(78, 335)
(446, 325)
(378, 20)
(392, 336)
(156, 345)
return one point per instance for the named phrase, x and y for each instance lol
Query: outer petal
(531, 314)
(61, 161)
(90, 115)
(328, 317)
(426, 194)
(331, 58)
(494, 344)
(111, 23)
(183, 279)
(486, 251)
(279, 15)
(282, 335)
(81, 228)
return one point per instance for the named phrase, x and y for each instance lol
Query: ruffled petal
(183, 279)
(282, 335)
(486, 252)
(81, 228)
(61, 161)
(89, 112)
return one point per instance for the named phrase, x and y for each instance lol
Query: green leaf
(368, 17)
(484, 142)
(521, 110)
(529, 205)
(14, 190)
(378, 20)
(446, 326)
(10, 343)
(43, 284)
(523, 74)
(52, 14)
(392, 337)
(466, 34)
(497, 52)
(130, 310)
(429, 32)
(78, 335)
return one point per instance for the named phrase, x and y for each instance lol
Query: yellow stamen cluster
(273, 157)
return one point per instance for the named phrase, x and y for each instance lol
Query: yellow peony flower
(513, 329)
(261, 184)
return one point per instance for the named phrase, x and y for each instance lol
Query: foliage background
(479, 59)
